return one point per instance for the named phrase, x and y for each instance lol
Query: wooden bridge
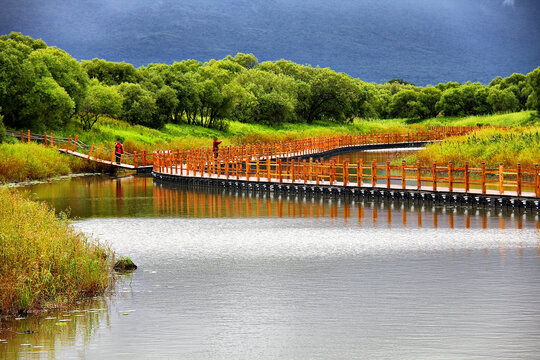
(298, 166)
(98, 154)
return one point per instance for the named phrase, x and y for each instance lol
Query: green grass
(510, 147)
(22, 162)
(185, 136)
(44, 262)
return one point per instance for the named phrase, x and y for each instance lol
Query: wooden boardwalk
(511, 188)
(113, 164)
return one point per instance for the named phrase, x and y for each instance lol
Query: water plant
(44, 262)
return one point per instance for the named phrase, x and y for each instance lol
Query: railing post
(537, 180)
(450, 176)
(466, 176)
(388, 174)
(69, 144)
(501, 178)
(292, 171)
(345, 175)
(317, 172)
(75, 143)
(29, 136)
(52, 140)
(403, 180)
(434, 175)
(483, 180)
(518, 179)
(91, 150)
(280, 169)
(135, 160)
(418, 175)
(268, 168)
(258, 168)
(373, 173)
(359, 170)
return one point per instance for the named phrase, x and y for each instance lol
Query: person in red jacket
(118, 151)
(215, 147)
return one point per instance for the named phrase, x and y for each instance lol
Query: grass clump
(44, 262)
(492, 146)
(23, 162)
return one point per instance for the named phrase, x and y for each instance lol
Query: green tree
(66, 71)
(407, 104)
(248, 61)
(2, 127)
(100, 100)
(429, 97)
(139, 106)
(533, 81)
(265, 97)
(110, 73)
(502, 100)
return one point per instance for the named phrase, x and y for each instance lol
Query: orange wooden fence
(437, 177)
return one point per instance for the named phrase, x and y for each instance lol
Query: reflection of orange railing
(437, 177)
(207, 204)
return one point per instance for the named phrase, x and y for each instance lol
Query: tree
(429, 97)
(264, 97)
(100, 100)
(108, 72)
(533, 81)
(66, 71)
(400, 82)
(2, 127)
(323, 93)
(248, 61)
(138, 106)
(407, 104)
(40, 87)
(502, 100)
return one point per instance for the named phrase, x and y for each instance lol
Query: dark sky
(423, 41)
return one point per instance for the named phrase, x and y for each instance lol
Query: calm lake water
(227, 275)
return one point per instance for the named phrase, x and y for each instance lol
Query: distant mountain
(421, 41)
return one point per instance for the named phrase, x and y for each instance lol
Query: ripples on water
(226, 275)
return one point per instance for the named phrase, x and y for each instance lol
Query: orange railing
(92, 152)
(437, 177)
(281, 149)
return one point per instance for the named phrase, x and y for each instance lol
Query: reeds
(44, 262)
(509, 147)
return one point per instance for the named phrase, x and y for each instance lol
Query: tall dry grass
(44, 262)
(491, 146)
(23, 162)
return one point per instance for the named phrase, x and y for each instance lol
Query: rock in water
(124, 264)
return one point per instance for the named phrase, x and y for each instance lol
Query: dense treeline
(43, 87)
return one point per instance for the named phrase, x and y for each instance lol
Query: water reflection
(43, 336)
(243, 274)
(135, 196)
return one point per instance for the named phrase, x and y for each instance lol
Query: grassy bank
(183, 136)
(23, 162)
(44, 263)
(519, 145)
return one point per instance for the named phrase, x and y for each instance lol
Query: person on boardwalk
(118, 151)
(215, 147)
